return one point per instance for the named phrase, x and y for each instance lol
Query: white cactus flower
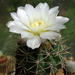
(37, 24)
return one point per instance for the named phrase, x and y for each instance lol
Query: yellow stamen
(37, 24)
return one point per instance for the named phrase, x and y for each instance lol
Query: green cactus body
(44, 60)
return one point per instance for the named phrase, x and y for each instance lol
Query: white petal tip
(57, 7)
(34, 42)
(67, 19)
(9, 24)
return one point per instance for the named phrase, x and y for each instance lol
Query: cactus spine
(44, 60)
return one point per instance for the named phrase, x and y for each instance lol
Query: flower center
(37, 24)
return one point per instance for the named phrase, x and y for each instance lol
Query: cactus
(38, 26)
(44, 60)
(7, 64)
(70, 65)
(4, 64)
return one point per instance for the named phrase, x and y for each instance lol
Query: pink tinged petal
(29, 10)
(61, 20)
(50, 35)
(53, 12)
(14, 16)
(34, 42)
(10, 23)
(56, 27)
(27, 35)
(23, 16)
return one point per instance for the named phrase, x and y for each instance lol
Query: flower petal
(53, 13)
(34, 42)
(27, 35)
(20, 25)
(44, 11)
(9, 24)
(50, 35)
(23, 16)
(61, 20)
(29, 10)
(14, 16)
(41, 11)
(43, 5)
(37, 13)
(56, 27)
(15, 29)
